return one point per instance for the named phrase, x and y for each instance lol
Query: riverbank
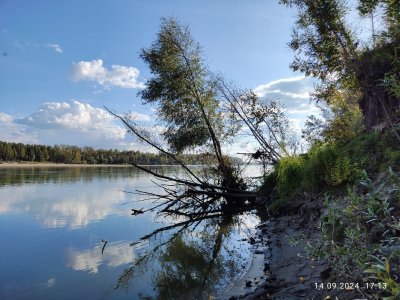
(254, 273)
(290, 269)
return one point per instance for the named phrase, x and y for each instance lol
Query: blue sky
(62, 61)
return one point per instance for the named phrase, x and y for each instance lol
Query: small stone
(301, 279)
(248, 283)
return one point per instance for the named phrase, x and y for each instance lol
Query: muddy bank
(254, 274)
(290, 270)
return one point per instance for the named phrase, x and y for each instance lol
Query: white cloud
(139, 117)
(13, 132)
(294, 87)
(4, 118)
(74, 114)
(74, 123)
(120, 76)
(60, 208)
(55, 47)
(71, 123)
(293, 93)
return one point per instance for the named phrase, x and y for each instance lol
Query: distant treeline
(85, 155)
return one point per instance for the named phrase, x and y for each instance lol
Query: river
(54, 223)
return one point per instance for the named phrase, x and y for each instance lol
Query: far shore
(63, 165)
(49, 165)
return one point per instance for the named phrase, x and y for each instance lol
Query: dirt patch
(291, 271)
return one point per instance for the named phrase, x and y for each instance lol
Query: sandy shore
(54, 165)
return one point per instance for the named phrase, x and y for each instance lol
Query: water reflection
(53, 220)
(62, 206)
(65, 175)
(114, 255)
(68, 197)
(195, 264)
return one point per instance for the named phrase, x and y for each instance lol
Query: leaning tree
(185, 95)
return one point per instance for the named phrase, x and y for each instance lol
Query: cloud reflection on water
(83, 197)
(63, 206)
(114, 255)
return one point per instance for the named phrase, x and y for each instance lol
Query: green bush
(290, 175)
(332, 165)
(325, 165)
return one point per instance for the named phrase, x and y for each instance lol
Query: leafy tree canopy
(183, 89)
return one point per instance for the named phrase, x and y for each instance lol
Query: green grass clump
(328, 165)
(374, 152)
(289, 175)
(336, 163)
(331, 165)
(325, 165)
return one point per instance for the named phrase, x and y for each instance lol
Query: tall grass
(325, 165)
(332, 165)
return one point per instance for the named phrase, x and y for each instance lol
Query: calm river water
(53, 221)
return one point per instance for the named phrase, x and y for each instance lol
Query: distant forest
(86, 155)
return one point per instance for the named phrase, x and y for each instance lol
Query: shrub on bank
(325, 165)
(333, 165)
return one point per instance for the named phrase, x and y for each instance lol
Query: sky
(61, 62)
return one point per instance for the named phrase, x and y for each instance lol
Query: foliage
(324, 166)
(324, 45)
(185, 93)
(381, 271)
(374, 151)
(349, 76)
(329, 167)
(289, 175)
(391, 78)
(183, 90)
(391, 83)
(345, 244)
(341, 122)
(328, 163)
(366, 220)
